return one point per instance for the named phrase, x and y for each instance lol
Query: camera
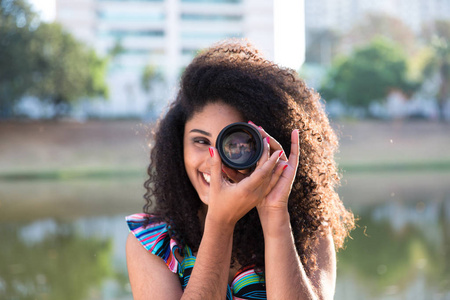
(240, 146)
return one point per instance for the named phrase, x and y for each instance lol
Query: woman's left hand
(277, 200)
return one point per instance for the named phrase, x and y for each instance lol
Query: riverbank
(100, 149)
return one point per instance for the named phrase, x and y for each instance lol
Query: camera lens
(239, 146)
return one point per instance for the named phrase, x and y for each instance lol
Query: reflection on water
(400, 250)
(69, 244)
(49, 259)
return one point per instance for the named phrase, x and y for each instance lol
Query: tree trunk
(443, 90)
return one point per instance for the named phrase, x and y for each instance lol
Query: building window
(138, 17)
(119, 34)
(192, 52)
(212, 1)
(199, 17)
(130, 0)
(209, 35)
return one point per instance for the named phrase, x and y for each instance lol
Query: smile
(207, 177)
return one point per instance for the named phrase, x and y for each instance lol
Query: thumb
(215, 165)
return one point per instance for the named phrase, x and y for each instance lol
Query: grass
(414, 166)
(106, 173)
(70, 174)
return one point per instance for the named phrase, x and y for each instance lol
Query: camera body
(240, 146)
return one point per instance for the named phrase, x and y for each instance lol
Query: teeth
(207, 177)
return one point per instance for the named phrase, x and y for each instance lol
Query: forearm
(285, 274)
(209, 277)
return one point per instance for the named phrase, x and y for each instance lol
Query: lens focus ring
(240, 146)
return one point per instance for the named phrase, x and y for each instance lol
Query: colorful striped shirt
(246, 284)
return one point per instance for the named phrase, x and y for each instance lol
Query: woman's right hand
(228, 202)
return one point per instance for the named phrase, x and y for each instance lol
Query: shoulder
(149, 274)
(147, 271)
(152, 234)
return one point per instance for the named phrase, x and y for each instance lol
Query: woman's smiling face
(200, 133)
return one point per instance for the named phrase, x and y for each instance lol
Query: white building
(163, 33)
(341, 15)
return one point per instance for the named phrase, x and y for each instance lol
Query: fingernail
(285, 167)
(211, 152)
(281, 153)
(250, 122)
(268, 140)
(259, 127)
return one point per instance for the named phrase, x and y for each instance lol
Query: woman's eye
(201, 141)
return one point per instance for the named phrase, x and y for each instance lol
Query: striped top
(155, 238)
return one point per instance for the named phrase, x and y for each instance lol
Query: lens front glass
(239, 146)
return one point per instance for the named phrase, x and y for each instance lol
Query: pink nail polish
(285, 167)
(250, 122)
(268, 140)
(211, 152)
(281, 153)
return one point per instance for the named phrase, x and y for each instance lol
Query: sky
(46, 8)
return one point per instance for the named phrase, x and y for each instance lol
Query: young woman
(212, 232)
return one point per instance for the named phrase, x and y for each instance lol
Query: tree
(42, 60)
(65, 69)
(17, 26)
(437, 35)
(151, 78)
(368, 74)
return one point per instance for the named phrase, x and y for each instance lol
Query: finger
(295, 149)
(274, 145)
(279, 168)
(233, 174)
(215, 166)
(263, 174)
(266, 153)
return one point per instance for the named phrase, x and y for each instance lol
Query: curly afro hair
(235, 73)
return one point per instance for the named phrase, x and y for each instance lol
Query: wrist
(275, 222)
(218, 225)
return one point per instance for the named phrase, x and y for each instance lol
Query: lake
(64, 239)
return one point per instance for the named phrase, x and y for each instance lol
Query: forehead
(215, 114)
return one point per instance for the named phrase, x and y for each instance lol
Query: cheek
(189, 161)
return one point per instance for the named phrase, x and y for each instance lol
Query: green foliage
(437, 34)
(65, 70)
(149, 74)
(17, 26)
(368, 74)
(150, 77)
(43, 60)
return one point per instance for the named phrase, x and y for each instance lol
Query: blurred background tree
(151, 79)
(17, 27)
(65, 69)
(42, 60)
(368, 75)
(437, 37)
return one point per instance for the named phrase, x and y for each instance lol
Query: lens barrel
(240, 146)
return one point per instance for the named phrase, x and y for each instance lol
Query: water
(65, 239)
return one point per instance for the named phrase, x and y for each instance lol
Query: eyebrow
(201, 131)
